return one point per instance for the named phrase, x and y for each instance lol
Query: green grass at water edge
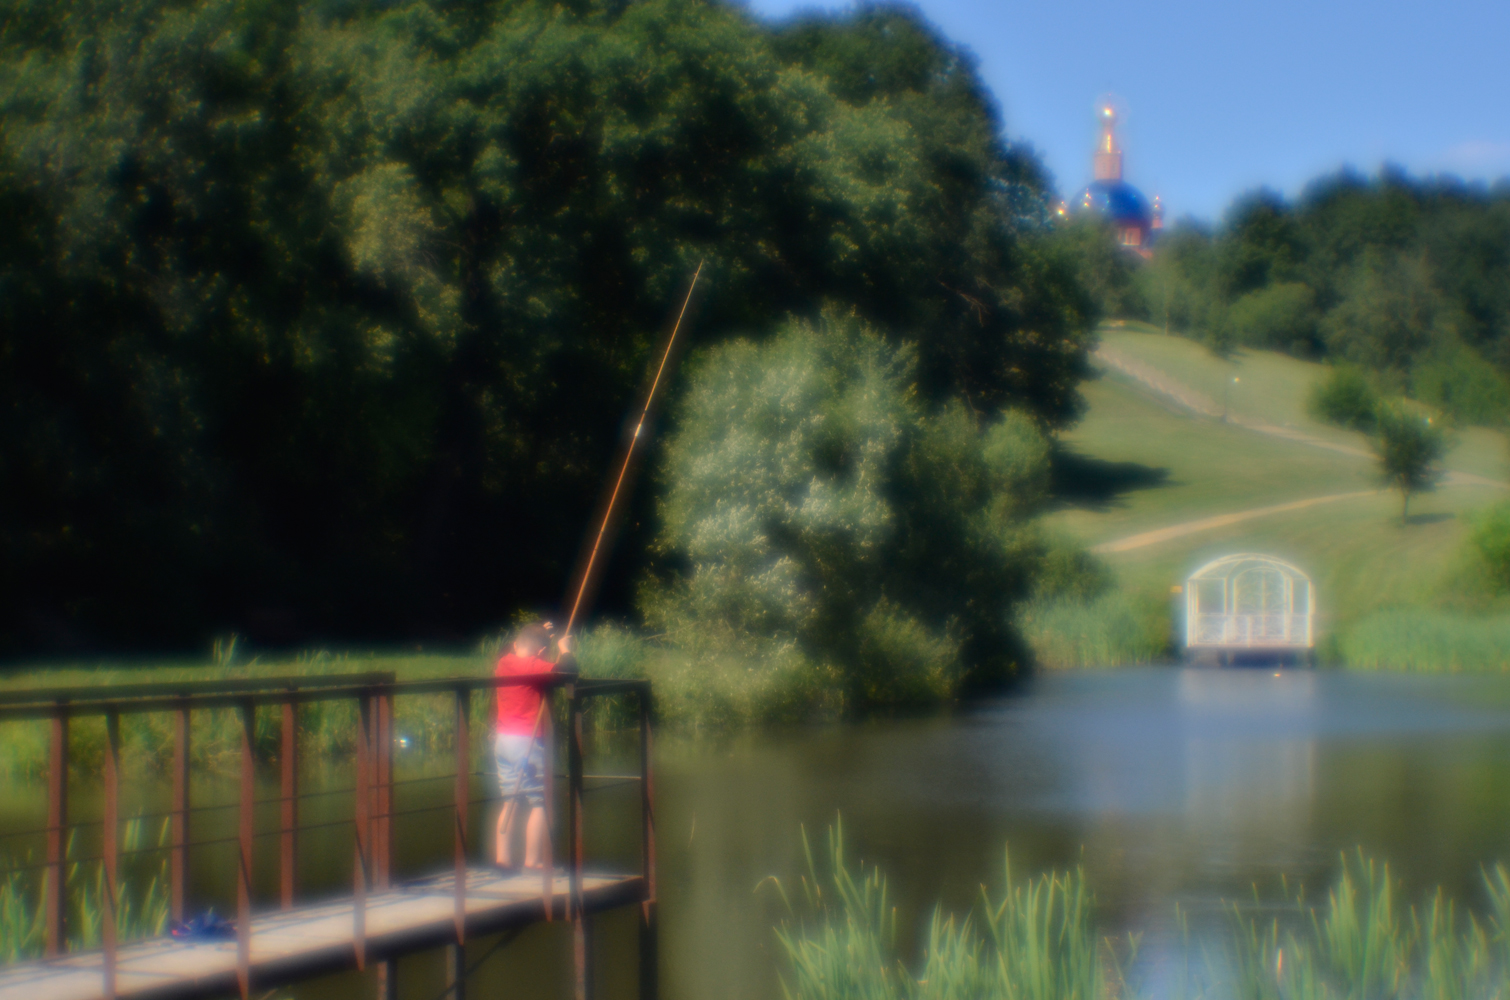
(1040, 939)
(142, 912)
(1034, 941)
(1365, 942)
(1113, 629)
(1427, 640)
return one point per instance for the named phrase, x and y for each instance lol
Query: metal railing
(373, 795)
(1261, 631)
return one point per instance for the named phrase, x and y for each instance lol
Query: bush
(812, 511)
(1490, 542)
(1067, 571)
(1457, 381)
(1282, 317)
(1345, 397)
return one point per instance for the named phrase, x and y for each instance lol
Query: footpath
(1197, 402)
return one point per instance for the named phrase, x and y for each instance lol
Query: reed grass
(142, 910)
(1427, 640)
(1365, 943)
(1039, 939)
(1113, 629)
(1036, 939)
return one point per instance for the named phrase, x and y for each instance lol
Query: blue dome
(1118, 201)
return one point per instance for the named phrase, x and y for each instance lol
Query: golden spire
(1108, 160)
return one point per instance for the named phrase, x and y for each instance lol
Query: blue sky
(1222, 97)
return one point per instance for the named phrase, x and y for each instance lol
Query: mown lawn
(1137, 463)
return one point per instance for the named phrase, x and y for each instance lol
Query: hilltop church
(1137, 223)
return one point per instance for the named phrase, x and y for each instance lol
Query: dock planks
(316, 939)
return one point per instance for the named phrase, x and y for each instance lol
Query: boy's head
(531, 640)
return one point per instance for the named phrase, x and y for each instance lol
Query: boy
(518, 744)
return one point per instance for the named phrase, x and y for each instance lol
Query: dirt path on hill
(1198, 402)
(1146, 538)
(1195, 400)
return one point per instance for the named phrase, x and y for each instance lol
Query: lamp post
(1227, 395)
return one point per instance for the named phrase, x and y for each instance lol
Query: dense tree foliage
(1409, 446)
(320, 319)
(820, 519)
(1408, 279)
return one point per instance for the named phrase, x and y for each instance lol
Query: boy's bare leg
(534, 837)
(506, 833)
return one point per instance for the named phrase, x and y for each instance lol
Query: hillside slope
(1156, 453)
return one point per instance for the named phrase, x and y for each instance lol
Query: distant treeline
(1406, 278)
(319, 321)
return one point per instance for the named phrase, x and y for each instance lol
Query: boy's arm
(566, 663)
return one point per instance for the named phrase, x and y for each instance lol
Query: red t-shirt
(519, 704)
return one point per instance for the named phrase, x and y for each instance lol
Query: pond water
(1168, 786)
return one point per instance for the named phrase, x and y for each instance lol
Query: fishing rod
(586, 576)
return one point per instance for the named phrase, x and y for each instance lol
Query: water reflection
(1185, 786)
(1167, 785)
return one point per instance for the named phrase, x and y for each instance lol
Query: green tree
(1409, 446)
(1280, 317)
(813, 503)
(1345, 397)
(1105, 269)
(314, 313)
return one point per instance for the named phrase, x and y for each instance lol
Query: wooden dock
(288, 946)
(387, 913)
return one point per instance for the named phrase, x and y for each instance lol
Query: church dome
(1119, 201)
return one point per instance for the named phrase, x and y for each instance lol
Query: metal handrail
(373, 804)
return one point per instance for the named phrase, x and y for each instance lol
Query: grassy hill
(1139, 461)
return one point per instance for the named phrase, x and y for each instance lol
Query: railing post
(247, 817)
(288, 792)
(362, 863)
(581, 931)
(111, 846)
(178, 874)
(548, 802)
(387, 985)
(383, 829)
(649, 917)
(463, 798)
(55, 878)
(456, 971)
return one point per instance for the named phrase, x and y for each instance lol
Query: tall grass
(1039, 939)
(1112, 629)
(142, 909)
(1364, 942)
(1035, 941)
(1427, 641)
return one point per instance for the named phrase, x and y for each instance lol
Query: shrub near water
(1076, 618)
(824, 530)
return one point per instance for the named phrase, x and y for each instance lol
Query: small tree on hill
(1409, 446)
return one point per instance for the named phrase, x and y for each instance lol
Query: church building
(1137, 223)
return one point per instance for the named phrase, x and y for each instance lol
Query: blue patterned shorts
(521, 767)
